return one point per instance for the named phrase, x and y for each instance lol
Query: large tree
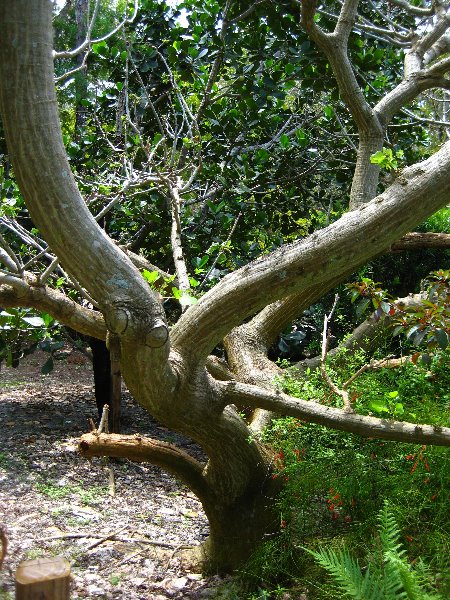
(170, 371)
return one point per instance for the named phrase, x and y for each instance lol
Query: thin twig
(325, 338)
(105, 539)
(113, 537)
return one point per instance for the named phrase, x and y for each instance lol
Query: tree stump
(43, 578)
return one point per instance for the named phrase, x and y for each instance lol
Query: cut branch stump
(43, 578)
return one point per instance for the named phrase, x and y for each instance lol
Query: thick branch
(142, 449)
(371, 131)
(30, 117)
(334, 46)
(331, 252)
(239, 393)
(418, 240)
(410, 88)
(18, 292)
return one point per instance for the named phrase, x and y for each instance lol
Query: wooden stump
(43, 579)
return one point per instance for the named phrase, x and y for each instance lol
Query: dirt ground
(54, 502)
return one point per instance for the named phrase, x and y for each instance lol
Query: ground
(120, 544)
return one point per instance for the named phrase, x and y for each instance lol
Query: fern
(394, 579)
(347, 573)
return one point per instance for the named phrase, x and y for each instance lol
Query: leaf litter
(54, 502)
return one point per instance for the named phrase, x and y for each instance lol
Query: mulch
(54, 502)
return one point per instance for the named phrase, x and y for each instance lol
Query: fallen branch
(105, 539)
(323, 369)
(4, 545)
(417, 241)
(114, 537)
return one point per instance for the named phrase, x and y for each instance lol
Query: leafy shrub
(336, 483)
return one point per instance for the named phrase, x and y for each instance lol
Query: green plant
(387, 159)
(90, 496)
(335, 483)
(54, 491)
(391, 577)
(115, 579)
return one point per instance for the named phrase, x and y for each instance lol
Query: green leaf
(48, 366)
(101, 48)
(377, 158)
(202, 262)
(302, 137)
(289, 68)
(362, 306)
(378, 407)
(150, 276)
(385, 307)
(399, 410)
(34, 321)
(397, 330)
(187, 300)
(262, 155)
(442, 338)
(393, 394)
(285, 142)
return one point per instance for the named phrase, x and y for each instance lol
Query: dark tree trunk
(101, 364)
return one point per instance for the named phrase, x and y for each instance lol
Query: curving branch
(410, 88)
(87, 43)
(256, 397)
(144, 449)
(29, 111)
(15, 291)
(420, 11)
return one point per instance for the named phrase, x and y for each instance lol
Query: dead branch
(143, 449)
(323, 369)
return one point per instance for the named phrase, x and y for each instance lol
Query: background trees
(206, 146)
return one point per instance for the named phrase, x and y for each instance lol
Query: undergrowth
(337, 483)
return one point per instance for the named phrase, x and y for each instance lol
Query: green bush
(337, 483)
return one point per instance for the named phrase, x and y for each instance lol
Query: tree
(171, 373)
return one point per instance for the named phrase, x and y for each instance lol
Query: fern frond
(389, 532)
(347, 574)
(410, 581)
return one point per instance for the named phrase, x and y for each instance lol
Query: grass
(88, 497)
